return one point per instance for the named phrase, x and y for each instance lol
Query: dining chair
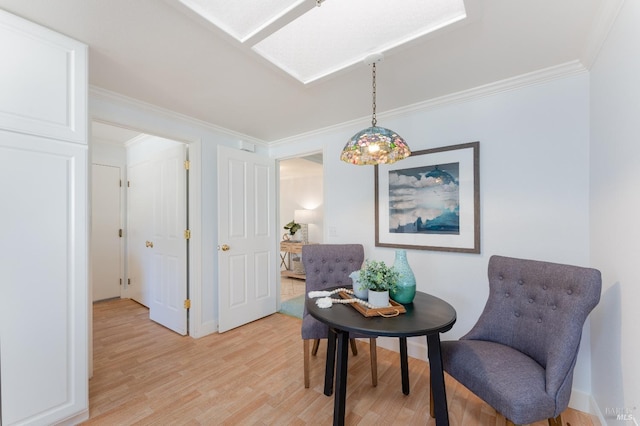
(329, 265)
(520, 355)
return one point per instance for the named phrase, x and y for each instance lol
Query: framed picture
(430, 200)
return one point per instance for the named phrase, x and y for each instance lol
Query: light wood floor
(290, 288)
(145, 374)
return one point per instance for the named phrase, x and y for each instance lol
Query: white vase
(379, 299)
(357, 292)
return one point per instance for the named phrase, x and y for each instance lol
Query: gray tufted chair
(329, 265)
(519, 356)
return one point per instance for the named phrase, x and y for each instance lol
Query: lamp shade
(375, 145)
(303, 216)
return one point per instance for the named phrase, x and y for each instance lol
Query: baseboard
(581, 401)
(75, 419)
(414, 349)
(596, 413)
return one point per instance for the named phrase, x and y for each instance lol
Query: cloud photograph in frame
(425, 200)
(430, 201)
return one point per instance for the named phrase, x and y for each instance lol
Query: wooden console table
(289, 247)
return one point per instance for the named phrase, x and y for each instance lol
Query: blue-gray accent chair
(519, 356)
(329, 265)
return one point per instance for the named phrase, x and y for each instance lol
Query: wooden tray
(390, 311)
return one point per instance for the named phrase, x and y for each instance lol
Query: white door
(169, 252)
(139, 205)
(105, 232)
(157, 243)
(246, 238)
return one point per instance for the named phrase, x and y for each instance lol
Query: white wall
(534, 180)
(108, 154)
(615, 228)
(303, 192)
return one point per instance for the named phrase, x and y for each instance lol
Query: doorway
(155, 275)
(106, 232)
(301, 200)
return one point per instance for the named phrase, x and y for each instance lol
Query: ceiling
(160, 52)
(113, 135)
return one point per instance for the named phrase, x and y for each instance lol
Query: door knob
(149, 244)
(224, 247)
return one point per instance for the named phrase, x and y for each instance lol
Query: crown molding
(98, 92)
(529, 79)
(513, 83)
(600, 28)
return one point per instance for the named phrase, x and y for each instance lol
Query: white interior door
(247, 241)
(157, 243)
(168, 272)
(105, 228)
(139, 205)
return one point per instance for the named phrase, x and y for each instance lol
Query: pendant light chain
(373, 118)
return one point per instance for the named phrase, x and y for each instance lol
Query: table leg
(404, 365)
(341, 378)
(330, 364)
(437, 380)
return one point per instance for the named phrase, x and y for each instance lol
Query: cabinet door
(43, 291)
(43, 81)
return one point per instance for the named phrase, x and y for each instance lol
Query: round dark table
(426, 316)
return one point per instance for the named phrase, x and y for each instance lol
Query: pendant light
(375, 145)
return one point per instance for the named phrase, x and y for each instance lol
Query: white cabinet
(43, 81)
(43, 249)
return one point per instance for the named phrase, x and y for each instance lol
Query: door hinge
(120, 233)
(120, 183)
(120, 281)
(187, 304)
(187, 234)
(128, 184)
(128, 281)
(187, 164)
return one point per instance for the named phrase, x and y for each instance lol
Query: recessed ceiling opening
(311, 45)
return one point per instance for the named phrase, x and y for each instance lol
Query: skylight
(329, 38)
(242, 18)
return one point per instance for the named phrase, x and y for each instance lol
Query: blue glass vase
(406, 289)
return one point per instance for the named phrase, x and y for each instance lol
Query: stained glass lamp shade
(375, 145)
